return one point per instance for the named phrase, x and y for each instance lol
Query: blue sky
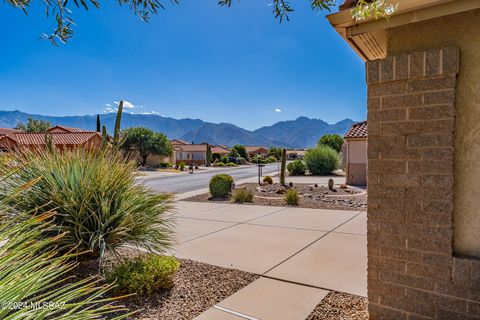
(195, 60)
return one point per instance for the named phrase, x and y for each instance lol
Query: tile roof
(220, 150)
(68, 129)
(59, 138)
(254, 148)
(358, 130)
(178, 142)
(4, 131)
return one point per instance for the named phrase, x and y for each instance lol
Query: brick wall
(412, 270)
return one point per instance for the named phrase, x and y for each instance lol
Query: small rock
(343, 186)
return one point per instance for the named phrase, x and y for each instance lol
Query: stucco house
(423, 78)
(60, 129)
(256, 151)
(61, 140)
(194, 153)
(355, 154)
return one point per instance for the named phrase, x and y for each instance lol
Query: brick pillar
(412, 270)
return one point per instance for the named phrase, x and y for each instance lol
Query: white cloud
(278, 110)
(108, 105)
(151, 112)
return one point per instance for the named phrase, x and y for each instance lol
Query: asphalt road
(200, 179)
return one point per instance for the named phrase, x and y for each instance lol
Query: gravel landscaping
(197, 287)
(311, 196)
(341, 306)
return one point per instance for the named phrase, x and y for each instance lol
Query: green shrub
(225, 159)
(267, 179)
(216, 157)
(291, 197)
(296, 168)
(181, 166)
(241, 161)
(321, 160)
(220, 164)
(221, 185)
(231, 164)
(239, 151)
(242, 195)
(165, 165)
(271, 159)
(333, 141)
(258, 159)
(98, 203)
(144, 274)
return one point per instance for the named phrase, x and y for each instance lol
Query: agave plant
(97, 203)
(33, 276)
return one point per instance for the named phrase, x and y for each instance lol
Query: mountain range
(300, 133)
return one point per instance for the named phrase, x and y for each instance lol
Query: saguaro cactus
(283, 167)
(208, 155)
(118, 120)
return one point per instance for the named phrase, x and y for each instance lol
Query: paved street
(189, 182)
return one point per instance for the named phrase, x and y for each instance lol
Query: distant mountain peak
(302, 132)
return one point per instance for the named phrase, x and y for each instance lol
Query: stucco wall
(357, 162)
(463, 31)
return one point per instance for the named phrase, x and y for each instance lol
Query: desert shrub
(231, 164)
(220, 185)
(31, 270)
(144, 274)
(267, 179)
(258, 159)
(275, 152)
(98, 203)
(216, 157)
(321, 160)
(291, 197)
(296, 168)
(181, 166)
(225, 159)
(271, 159)
(241, 161)
(240, 151)
(242, 195)
(220, 164)
(165, 165)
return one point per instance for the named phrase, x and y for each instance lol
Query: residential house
(355, 154)
(423, 78)
(61, 140)
(256, 151)
(5, 131)
(195, 153)
(295, 154)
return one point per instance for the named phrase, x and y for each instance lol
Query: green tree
(275, 152)
(241, 151)
(321, 161)
(146, 142)
(333, 141)
(233, 153)
(61, 11)
(34, 126)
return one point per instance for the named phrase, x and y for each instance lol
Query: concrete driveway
(306, 252)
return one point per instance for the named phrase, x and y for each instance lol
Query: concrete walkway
(301, 255)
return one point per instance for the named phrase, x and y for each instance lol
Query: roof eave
(368, 38)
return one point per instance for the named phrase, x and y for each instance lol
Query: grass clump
(97, 203)
(268, 180)
(291, 197)
(144, 274)
(242, 195)
(221, 185)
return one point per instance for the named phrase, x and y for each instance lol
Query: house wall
(462, 31)
(191, 157)
(413, 271)
(356, 162)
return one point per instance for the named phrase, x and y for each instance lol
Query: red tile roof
(358, 130)
(254, 148)
(220, 150)
(178, 142)
(4, 131)
(68, 129)
(59, 138)
(190, 147)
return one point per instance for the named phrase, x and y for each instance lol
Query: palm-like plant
(33, 281)
(97, 203)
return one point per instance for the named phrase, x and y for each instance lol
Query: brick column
(412, 270)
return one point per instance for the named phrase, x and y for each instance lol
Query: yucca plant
(33, 276)
(97, 203)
